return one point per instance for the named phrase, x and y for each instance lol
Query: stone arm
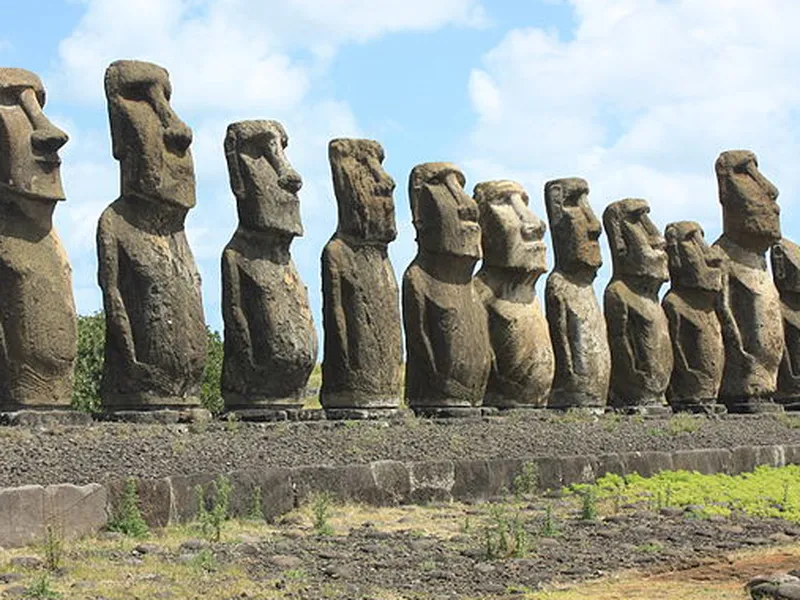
(678, 351)
(418, 340)
(237, 330)
(734, 344)
(335, 315)
(557, 321)
(117, 320)
(622, 352)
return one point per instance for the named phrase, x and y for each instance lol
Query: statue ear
(778, 263)
(555, 199)
(117, 121)
(234, 168)
(615, 237)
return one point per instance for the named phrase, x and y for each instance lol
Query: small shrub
(588, 494)
(128, 519)
(504, 536)
(210, 392)
(321, 513)
(526, 482)
(89, 362)
(53, 548)
(212, 518)
(205, 561)
(41, 588)
(549, 526)
(256, 510)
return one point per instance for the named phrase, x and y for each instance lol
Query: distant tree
(210, 393)
(89, 366)
(89, 362)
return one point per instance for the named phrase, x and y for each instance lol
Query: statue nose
(48, 139)
(290, 181)
(178, 137)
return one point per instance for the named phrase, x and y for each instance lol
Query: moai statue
(699, 355)
(38, 332)
(270, 341)
(750, 307)
(514, 257)
(638, 332)
(155, 331)
(577, 327)
(448, 354)
(786, 272)
(363, 353)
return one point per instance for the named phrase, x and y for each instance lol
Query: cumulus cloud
(228, 60)
(640, 98)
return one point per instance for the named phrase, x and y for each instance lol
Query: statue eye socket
(137, 92)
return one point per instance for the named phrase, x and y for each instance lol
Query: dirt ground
(534, 548)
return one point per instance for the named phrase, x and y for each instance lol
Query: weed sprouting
(211, 519)
(504, 536)
(526, 482)
(256, 510)
(549, 526)
(53, 548)
(320, 505)
(41, 588)
(128, 519)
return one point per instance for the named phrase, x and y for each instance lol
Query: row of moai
(725, 335)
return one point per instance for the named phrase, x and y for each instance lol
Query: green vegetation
(53, 548)
(211, 518)
(89, 366)
(89, 362)
(128, 519)
(766, 492)
(41, 588)
(320, 505)
(504, 534)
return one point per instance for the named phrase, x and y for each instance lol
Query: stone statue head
(692, 262)
(511, 235)
(750, 213)
(637, 248)
(263, 181)
(445, 217)
(364, 191)
(574, 228)
(29, 163)
(785, 259)
(148, 138)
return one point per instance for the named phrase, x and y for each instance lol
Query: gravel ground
(89, 454)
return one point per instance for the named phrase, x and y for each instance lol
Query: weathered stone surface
(74, 510)
(362, 361)
(185, 500)
(690, 306)
(431, 481)
(514, 257)
(270, 341)
(38, 331)
(155, 330)
(577, 327)
(21, 515)
(448, 353)
(154, 496)
(785, 257)
(638, 332)
(350, 483)
(750, 309)
(272, 485)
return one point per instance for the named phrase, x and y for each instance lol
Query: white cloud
(641, 99)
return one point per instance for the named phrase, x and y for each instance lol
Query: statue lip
(52, 160)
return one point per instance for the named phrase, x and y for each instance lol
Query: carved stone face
(692, 262)
(786, 266)
(148, 138)
(445, 217)
(263, 181)
(750, 213)
(574, 227)
(364, 191)
(511, 235)
(637, 248)
(29, 144)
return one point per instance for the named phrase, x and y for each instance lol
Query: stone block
(431, 481)
(277, 494)
(154, 495)
(22, 516)
(706, 461)
(75, 511)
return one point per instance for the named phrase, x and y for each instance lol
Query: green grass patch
(766, 492)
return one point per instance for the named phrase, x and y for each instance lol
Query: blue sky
(637, 96)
